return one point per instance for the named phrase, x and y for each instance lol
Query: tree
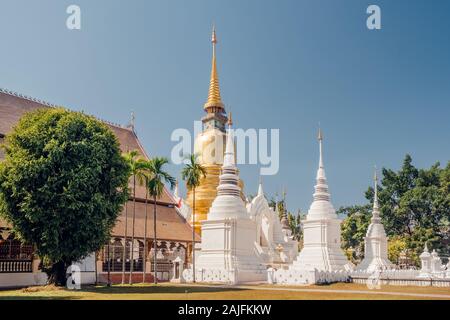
(157, 178)
(294, 220)
(354, 228)
(62, 186)
(295, 225)
(192, 174)
(138, 170)
(396, 246)
(415, 207)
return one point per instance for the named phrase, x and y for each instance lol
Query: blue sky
(282, 64)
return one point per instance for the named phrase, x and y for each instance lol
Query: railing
(14, 250)
(161, 266)
(15, 266)
(116, 265)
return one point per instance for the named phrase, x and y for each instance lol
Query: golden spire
(214, 99)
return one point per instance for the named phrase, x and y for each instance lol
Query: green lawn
(166, 291)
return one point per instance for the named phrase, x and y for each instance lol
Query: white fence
(303, 277)
(401, 278)
(209, 275)
(386, 277)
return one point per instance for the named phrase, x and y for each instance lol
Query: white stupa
(228, 251)
(322, 231)
(375, 242)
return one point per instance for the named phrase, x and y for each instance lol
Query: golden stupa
(210, 147)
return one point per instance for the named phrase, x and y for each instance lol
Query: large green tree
(62, 185)
(415, 208)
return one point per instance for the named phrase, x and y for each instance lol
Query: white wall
(9, 280)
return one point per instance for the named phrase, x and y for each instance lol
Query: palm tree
(131, 158)
(157, 178)
(140, 172)
(146, 170)
(192, 173)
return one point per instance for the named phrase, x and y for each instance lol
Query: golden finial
(230, 119)
(214, 99)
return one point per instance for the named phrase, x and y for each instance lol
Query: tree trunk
(57, 274)
(130, 280)
(95, 267)
(145, 235)
(155, 274)
(193, 236)
(108, 284)
(124, 256)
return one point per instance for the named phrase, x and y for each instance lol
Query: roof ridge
(52, 105)
(29, 98)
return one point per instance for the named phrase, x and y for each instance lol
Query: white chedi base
(322, 249)
(228, 252)
(375, 255)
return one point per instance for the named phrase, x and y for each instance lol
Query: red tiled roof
(169, 224)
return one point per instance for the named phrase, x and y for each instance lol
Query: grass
(167, 291)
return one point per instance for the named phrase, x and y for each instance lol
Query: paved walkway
(374, 292)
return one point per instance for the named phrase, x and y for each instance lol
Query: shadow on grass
(155, 289)
(38, 297)
(90, 292)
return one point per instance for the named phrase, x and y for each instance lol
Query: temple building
(228, 252)
(209, 145)
(322, 230)
(19, 266)
(375, 241)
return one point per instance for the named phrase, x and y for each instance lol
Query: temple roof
(170, 225)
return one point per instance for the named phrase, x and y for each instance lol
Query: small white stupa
(375, 242)
(425, 260)
(322, 231)
(228, 251)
